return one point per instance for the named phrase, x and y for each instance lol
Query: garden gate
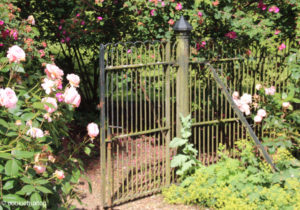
(143, 88)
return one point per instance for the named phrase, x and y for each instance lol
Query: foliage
(76, 28)
(34, 165)
(244, 183)
(186, 158)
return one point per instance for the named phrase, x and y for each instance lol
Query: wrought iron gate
(143, 88)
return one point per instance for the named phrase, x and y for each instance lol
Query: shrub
(35, 110)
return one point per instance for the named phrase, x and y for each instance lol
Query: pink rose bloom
(48, 85)
(237, 102)
(257, 119)
(31, 20)
(178, 6)
(152, 12)
(261, 113)
(50, 101)
(246, 98)
(274, 9)
(47, 117)
(74, 80)
(171, 21)
(59, 97)
(261, 5)
(286, 105)
(35, 133)
(281, 47)
(59, 174)
(15, 54)
(58, 84)
(8, 98)
(258, 86)
(93, 130)
(163, 4)
(270, 91)
(1, 22)
(71, 96)
(39, 169)
(200, 14)
(53, 72)
(231, 35)
(235, 95)
(277, 31)
(245, 108)
(99, 18)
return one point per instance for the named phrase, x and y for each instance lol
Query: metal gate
(144, 86)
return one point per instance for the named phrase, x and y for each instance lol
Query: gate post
(182, 29)
(102, 125)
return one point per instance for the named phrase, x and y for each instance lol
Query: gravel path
(92, 201)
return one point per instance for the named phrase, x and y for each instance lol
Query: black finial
(182, 25)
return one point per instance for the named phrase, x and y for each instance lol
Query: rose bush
(35, 109)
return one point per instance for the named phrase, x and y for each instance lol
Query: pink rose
(31, 20)
(47, 117)
(39, 169)
(281, 47)
(258, 86)
(50, 101)
(74, 80)
(152, 12)
(200, 14)
(262, 113)
(15, 54)
(48, 85)
(171, 21)
(8, 98)
(245, 108)
(59, 97)
(270, 91)
(262, 5)
(235, 95)
(231, 35)
(71, 96)
(246, 98)
(286, 105)
(277, 31)
(257, 119)
(53, 72)
(178, 6)
(35, 133)
(59, 174)
(93, 130)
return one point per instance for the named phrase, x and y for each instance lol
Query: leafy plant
(186, 158)
(243, 183)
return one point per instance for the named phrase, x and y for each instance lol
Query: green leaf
(22, 154)
(9, 185)
(11, 168)
(43, 189)
(41, 181)
(38, 105)
(27, 180)
(36, 198)
(4, 123)
(87, 150)
(27, 189)
(5, 155)
(27, 116)
(13, 198)
(177, 142)
(178, 160)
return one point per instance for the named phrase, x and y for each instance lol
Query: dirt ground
(92, 201)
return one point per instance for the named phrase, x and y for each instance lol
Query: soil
(91, 201)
